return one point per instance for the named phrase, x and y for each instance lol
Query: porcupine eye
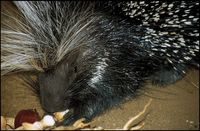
(75, 69)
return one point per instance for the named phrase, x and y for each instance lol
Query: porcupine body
(91, 56)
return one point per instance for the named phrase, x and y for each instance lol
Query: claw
(79, 123)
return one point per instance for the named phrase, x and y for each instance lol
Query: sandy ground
(173, 107)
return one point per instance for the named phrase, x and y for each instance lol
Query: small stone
(48, 120)
(3, 123)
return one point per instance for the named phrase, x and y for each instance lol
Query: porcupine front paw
(80, 111)
(88, 109)
(168, 75)
(73, 117)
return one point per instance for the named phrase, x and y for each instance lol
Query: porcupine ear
(68, 63)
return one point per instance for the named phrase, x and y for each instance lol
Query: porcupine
(90, 56)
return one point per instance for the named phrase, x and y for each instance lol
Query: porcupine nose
(54, 105)
(54, 108)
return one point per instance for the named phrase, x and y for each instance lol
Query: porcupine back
(172, 27)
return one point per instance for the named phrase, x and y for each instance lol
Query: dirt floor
(173, 107)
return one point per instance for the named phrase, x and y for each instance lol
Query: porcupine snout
(54, 83)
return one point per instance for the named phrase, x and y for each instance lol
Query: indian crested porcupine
(90, 55)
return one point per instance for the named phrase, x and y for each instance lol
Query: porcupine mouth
(62, 115)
